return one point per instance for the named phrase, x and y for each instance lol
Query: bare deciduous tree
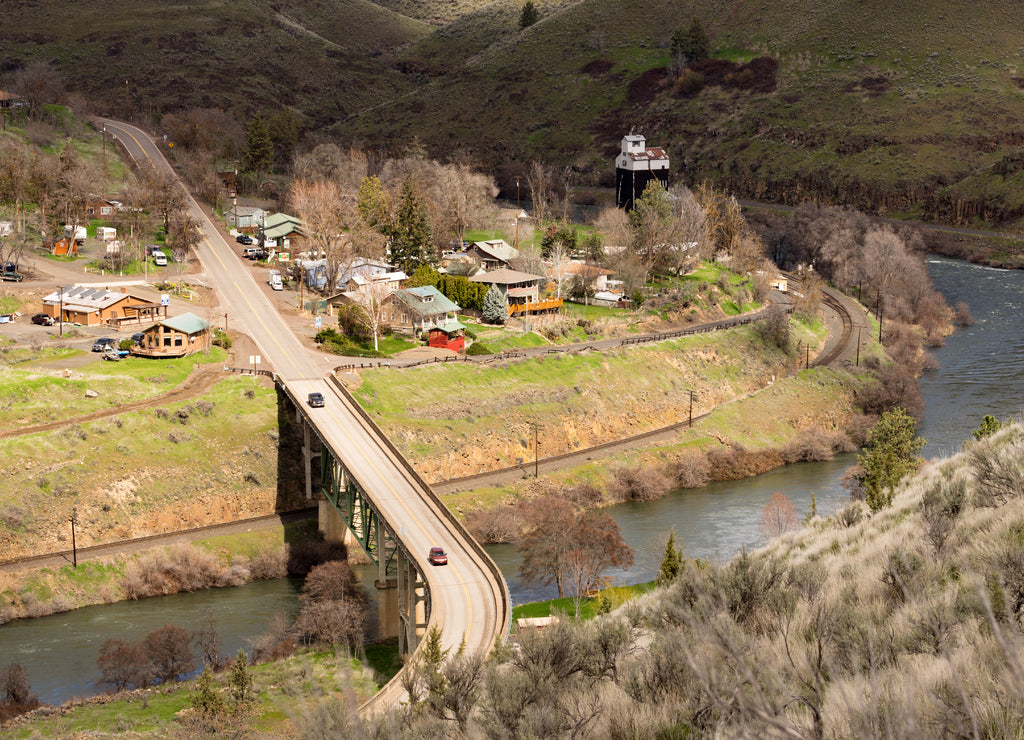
(778, 517)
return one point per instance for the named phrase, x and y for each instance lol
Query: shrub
(498, 524)
(221, 339)
(690, 469)
(168, 652)
(774, 330)
(479, 348)
(639, 484)
(689, 83)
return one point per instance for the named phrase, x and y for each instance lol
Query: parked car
(251, 253)
(274, 280)
(43, 320)
(102, 343)
(159, 258)
(137, 338)
(438, 556)
(13, 277)
(316, 400)
(244, 239)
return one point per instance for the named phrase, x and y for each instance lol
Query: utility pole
(807, 362)
(74, 546)
(61, 293)
(127, 106)
(536, 450)
(225, 323)
(691, 410)
(859, 327)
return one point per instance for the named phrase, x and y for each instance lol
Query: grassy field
(33, 390)
(158, 469)
(580, 400)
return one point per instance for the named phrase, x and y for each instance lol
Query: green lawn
(615, 596)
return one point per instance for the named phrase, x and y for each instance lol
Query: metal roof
(426, 301)
(186, 323)
(505, 276)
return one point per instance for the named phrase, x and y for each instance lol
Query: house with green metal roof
(285, 230)
(418, 310)
(175, 337)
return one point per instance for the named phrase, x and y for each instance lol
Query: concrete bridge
(368, 486)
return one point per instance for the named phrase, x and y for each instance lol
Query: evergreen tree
(989, 426)
(671, 562)
(691, 43)
(204, 697)
(259, 150)
(373, 204)
(495, 308)
(410, 236)
(890, 454)
(529, 15)
(241, 681)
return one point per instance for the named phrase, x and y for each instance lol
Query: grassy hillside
(912, 112)
(240, 56)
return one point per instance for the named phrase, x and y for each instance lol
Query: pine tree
(241, 681)
(410, 236)
(671, 562)
(259, 150)
(373, 204)
(691, 44)
(204, 697)
(495, 308)
(890, 454)
(529, 15)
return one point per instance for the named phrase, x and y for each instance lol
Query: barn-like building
(635, 166)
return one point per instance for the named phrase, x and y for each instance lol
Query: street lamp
(521, 214)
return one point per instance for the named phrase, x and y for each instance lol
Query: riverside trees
(570, 549)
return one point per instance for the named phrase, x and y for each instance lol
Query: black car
(42, 319)
(137, 338)
(316, 400)
(13, 277)
(102, 343)
(244, 239)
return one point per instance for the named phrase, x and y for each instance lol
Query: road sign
(165, 299)
(284, 257)
(254, 359)
(317, 322)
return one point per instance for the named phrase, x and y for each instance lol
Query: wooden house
(89, 306)
(175, 337)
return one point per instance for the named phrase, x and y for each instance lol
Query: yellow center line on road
(458, 573)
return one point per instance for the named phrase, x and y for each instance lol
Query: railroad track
(845, 335)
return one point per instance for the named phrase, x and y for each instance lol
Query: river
(977, 374)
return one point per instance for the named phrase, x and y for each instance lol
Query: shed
(448, 334)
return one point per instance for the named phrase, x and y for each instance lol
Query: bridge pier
(307, 452)
(333, 527)
(412, 605)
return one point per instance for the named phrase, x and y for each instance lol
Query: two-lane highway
(469, 599)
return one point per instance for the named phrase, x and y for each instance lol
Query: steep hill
(318, 57)
(913, 112)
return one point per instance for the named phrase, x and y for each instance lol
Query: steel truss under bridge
(362, 519)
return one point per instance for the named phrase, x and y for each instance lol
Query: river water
(978, 374)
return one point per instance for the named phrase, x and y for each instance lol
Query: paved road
(469, 599)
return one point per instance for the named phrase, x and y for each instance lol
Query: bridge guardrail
(445, 511)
